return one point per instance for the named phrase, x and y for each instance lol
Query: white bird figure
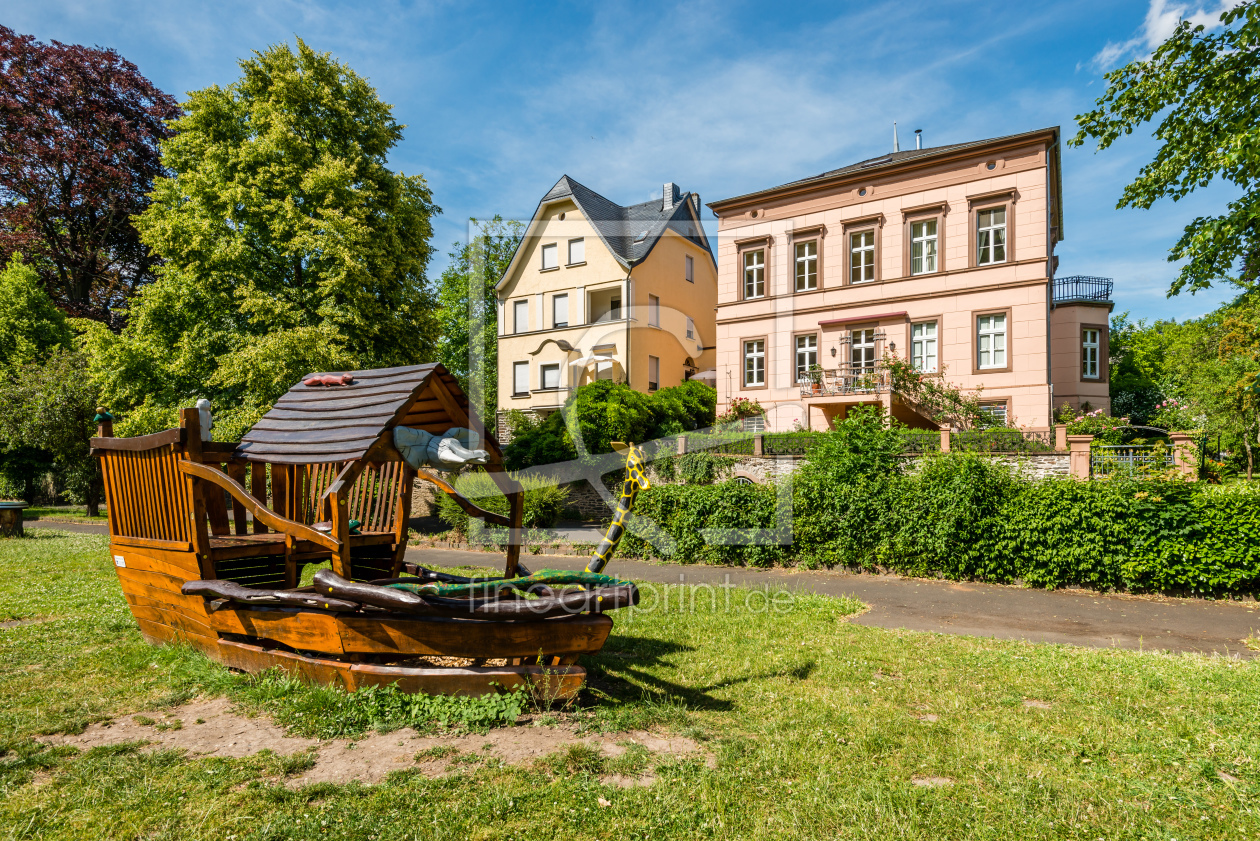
(207, 422)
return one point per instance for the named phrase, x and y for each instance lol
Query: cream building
(942, 256)
(600, 291)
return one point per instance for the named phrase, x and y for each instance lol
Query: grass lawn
(72, 513)
(819, 728)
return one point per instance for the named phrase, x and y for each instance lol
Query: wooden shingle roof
(315, 424)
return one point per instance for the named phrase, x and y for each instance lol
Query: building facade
(601, 291)
(943, 257)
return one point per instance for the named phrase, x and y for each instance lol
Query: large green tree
(289, 245)
(467, 304)
(1204, 88)
(30, 324)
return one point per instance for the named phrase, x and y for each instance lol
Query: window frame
(691, 328)
(744, 253)
(975, 342)
(857, 226)
(653, 386)
(1005, 402)
(516, 367)
(990, 201)
(800, 376)
(690, 268)
(542, 252)
(1104, 351)
(654, 310)
(765, 362)
(991, 228)
(927, 319)
(543, 367)
(874, 345)
(937, 212)
(805, 236)
(798, 261)
(579, 241)
(556, 299)
(516, 316)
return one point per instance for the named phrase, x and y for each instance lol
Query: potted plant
(815, 375)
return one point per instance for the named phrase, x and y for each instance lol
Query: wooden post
(402, 517)
(1078, 445)
(1185, 454)
(945, 438)
(190, 422)
(105, 427)
(516, 515)
(341, 531)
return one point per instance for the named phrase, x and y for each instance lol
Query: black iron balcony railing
(1082, 288)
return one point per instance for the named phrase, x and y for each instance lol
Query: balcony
(847, 379)
(1068, 290)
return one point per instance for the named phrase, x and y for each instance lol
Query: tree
(289, 246)
(30, 324)
(50, 406)
(79, 134)
(467, 299)
(1205, 89)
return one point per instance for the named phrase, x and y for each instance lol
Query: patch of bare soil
(932, 782)
(1035, 704)
(210, 728)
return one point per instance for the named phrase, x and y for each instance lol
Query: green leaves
(1205, 89)
(290, 246)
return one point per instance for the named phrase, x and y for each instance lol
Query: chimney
(695, 203)
(918, 138)
(896, 146)
(669, 195)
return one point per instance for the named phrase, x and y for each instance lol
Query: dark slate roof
(631, 232)
(890, 159)
(314, 424)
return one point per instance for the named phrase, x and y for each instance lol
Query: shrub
(685, 511)
(544, 501)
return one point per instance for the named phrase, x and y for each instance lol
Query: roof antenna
(918, 138)
(896, 146)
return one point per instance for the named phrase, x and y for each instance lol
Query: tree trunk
(1247, 446)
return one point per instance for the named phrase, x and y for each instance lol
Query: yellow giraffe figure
(636, 480)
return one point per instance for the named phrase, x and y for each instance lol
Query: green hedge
(966, 517)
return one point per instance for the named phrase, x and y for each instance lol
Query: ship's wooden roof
(315, 424)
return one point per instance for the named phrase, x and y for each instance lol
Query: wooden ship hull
(168, 499)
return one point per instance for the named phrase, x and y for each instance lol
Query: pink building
(943, 256)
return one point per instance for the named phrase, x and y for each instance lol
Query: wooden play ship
(209, 541)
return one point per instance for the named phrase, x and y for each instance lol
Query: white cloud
(1161, 21)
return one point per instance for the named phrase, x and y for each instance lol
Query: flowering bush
(1104, 428)
(740, 408)
(945, 402)
(1176, 416)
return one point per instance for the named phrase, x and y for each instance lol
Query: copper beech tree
(79, 132)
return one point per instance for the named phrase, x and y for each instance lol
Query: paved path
(1076, 617)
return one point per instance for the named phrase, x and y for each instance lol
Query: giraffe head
(636, 467)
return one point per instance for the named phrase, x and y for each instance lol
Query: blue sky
(720, 97)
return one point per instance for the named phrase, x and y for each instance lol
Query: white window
(755, 362)
(923, 247)
(806, 266)
(806, 356)
(549, 375)
(861, 256)
(923, 346)
(862, 354)
(1089, 348)
(997, 411)
(654, 311)
(520, 316)
(549, 256)
(691, 328)
(691, 269)
(520, 378)
(755, 273)
(654, 372)
(577, 251)
(991, 230)
(560, 311)
(992, 341)
(754, 423)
